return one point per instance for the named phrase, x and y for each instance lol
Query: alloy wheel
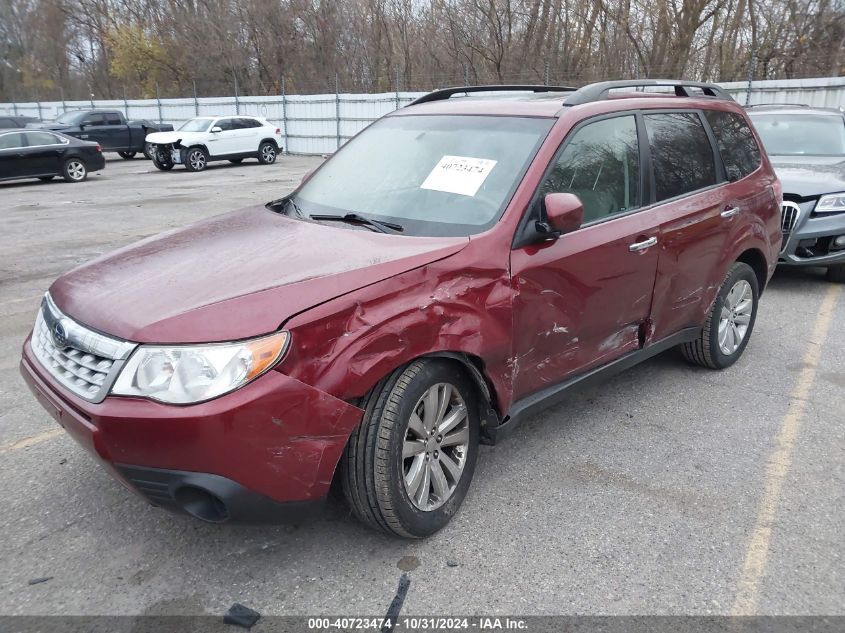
(268, 153)
(197, 160)
(76, 170)
(435, 448)
(735, 316)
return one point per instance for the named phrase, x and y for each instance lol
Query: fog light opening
(201, 504)
(839, 242)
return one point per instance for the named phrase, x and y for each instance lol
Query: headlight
(831, 203)
(184, 374)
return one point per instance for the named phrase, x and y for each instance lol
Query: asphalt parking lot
(668, 490)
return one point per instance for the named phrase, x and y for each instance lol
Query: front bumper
(808, 229)
(273, 443)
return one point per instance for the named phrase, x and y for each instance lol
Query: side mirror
(216, 129)
(564, 214)
(83, 124)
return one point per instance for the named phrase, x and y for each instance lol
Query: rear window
(737, 145)
(681, 154)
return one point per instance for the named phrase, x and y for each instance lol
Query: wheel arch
(757, 261)
(269, 140)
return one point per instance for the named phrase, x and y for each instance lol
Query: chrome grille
(81, 360)
(789, 212)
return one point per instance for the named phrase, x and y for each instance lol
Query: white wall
(310, 123)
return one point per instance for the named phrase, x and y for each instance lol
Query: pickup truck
(109, 128)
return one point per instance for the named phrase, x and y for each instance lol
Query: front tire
(127, 155)
(195, 158)
(267, 152)
(74, 170)
(730, 322)
(409, 464)
(836, 274)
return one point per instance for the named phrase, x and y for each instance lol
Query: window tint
(42, 138)
(737, 145)
(13, 139)
(601, 165)
(112, 118)
(249, 123)
(94, 119)
(7, 123)
(225, 124)
(681, 155)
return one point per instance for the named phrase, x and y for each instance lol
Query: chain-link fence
(319, 124)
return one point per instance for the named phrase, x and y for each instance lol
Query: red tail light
(99, 149)
(278, 131)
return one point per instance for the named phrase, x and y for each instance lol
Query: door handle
(730, 212)
(641, 246)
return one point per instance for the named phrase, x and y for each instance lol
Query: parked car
(459, 265)
(44, 155)
(109, 128)
(807, 149)
(205, 139)
(10, 122)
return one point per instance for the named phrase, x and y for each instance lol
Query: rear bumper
(275, 441)
(96, 162)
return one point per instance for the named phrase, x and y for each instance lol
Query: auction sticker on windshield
(459, 174)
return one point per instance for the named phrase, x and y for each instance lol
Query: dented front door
(579, 300)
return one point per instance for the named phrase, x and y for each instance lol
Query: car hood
(233, 276)
(49, 125)
(166, 138)
(809, 176)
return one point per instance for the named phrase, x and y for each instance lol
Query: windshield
(195, 125)
(72, 117)
(799, 134)
(433, 175)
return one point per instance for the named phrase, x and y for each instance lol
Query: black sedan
(45, 155)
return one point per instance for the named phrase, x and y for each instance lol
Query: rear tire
(148, 151)
(729, 324)
(267, 152)
(127, 155)
(195, 158)
(836, 274)
(74, 170)
(409, 464)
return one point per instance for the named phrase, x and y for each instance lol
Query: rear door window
(736, 142)
(601, 165)
(112, 118)
(681, 154)
(42, 138)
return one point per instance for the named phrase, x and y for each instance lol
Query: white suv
(205, 139)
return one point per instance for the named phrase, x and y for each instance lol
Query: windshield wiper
(382, 227)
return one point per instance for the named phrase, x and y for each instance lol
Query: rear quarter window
(737, 145)
(681, 154)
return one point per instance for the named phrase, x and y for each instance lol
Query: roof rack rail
(446, 93)
(599, 91)
(775, 105)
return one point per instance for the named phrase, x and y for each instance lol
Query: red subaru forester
(458, 265)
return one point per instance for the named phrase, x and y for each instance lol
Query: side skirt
(536, 402)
